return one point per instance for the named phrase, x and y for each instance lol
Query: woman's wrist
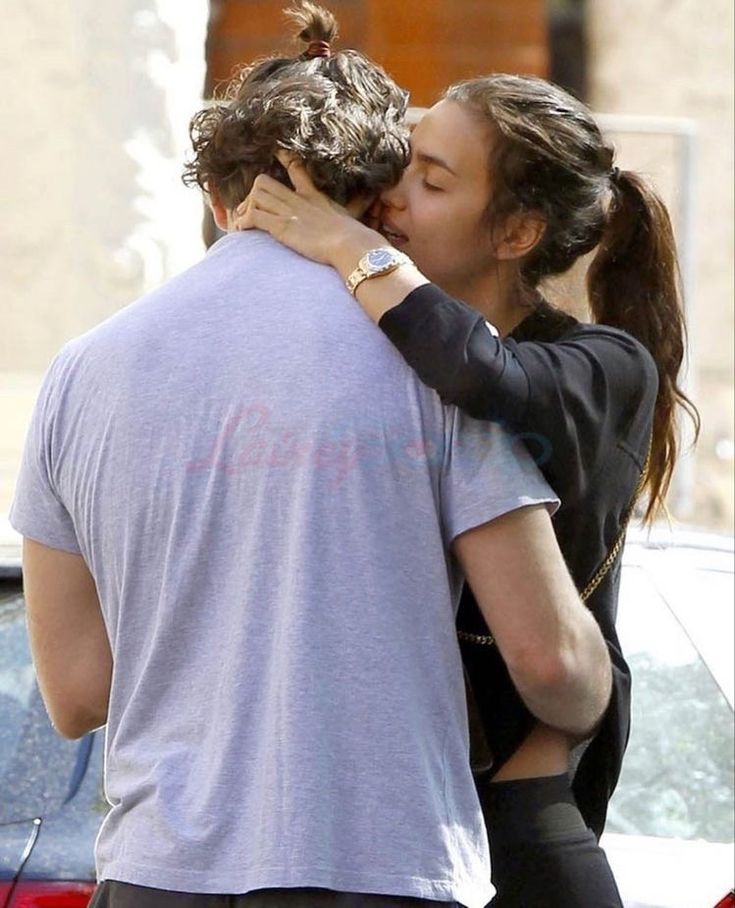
(380, 293)
(386, 291)
(352, 245)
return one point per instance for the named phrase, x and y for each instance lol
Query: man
(238, 505)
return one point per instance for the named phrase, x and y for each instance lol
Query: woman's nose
(395, 197)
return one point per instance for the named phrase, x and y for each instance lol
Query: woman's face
(435, 212)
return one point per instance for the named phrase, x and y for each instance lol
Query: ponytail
(549, 157)
(633, 284)
(314, 24)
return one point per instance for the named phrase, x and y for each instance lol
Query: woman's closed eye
(431, 187)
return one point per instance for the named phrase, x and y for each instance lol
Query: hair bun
(313, 22)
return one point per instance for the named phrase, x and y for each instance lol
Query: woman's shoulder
(619, 350)
(613, 350)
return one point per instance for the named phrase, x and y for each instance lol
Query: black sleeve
(569, 399)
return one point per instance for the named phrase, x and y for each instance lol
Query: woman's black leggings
(543, 855)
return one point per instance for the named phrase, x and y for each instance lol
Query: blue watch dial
(380, 258)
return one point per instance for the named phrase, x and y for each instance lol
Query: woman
(511, 182)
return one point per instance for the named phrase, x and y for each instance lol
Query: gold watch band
(375, 263)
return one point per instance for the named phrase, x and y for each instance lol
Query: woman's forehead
(451, 134)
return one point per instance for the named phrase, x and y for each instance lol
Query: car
(669, 834)
(670, 828)
(51, 798)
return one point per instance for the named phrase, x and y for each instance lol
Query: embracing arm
(308, 222)
(552, 645)
(69, 643)
(570, 396)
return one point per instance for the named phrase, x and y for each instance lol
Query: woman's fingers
(285, 158)
(296, 171)
(257, 219)
(305, 220)
(300, 179)
(264, 185)
(263, 198)
(299, 176)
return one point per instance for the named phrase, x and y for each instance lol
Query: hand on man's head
(303, 218)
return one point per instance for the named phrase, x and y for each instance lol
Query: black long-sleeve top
(582, 398)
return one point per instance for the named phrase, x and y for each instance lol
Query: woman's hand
(307, 220)
(311, 224)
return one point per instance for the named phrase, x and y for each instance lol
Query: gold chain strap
(600, 573)
(480, 639)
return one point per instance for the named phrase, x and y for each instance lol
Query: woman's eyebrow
(433, 159)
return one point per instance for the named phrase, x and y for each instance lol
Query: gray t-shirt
(265, 493)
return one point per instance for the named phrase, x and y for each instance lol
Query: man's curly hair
(342, 115)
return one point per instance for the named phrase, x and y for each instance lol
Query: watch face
(380, 258)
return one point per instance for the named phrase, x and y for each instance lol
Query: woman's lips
(394, 236)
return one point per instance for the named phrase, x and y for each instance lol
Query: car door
(41, 773)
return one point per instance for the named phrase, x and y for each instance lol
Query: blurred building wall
(86, 91)
(96, 100)
(424, 44)
(676, 60)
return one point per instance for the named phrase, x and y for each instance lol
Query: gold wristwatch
(374, 263)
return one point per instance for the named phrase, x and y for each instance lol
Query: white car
(669, 834)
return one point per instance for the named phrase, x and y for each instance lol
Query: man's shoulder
(144, 312)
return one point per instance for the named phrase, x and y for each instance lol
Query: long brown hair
(549, 156)
(633, 283)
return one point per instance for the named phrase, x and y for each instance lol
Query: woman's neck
(506, 316)
(499, 299)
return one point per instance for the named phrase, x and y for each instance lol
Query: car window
(36, 764)
(677, 778)
(702, 600)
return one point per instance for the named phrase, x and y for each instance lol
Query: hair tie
(319, 49)
(615, 176)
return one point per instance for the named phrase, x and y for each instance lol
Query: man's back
(264, 494)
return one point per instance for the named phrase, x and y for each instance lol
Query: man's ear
(518, 235)
(219, 212)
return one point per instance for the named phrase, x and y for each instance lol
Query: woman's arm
(568, 398)
(311, 224)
